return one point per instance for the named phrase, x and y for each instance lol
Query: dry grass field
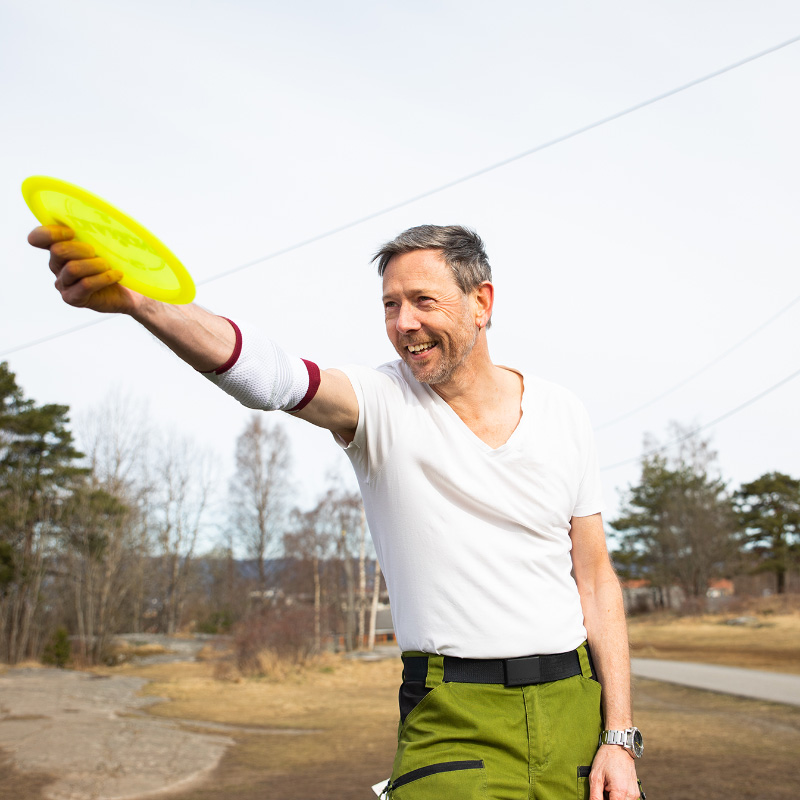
(766, 635)
(699, 744)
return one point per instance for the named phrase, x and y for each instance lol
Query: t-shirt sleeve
(380, 414)
(590, 489)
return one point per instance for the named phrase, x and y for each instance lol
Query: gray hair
(461, 248)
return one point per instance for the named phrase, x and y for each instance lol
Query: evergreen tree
(37, 471)
(768, 509)
(676, 527)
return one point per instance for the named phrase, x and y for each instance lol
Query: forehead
(417, 270)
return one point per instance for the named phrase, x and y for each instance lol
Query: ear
(483, 302)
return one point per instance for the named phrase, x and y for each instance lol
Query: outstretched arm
(202, 339)
(613, 769)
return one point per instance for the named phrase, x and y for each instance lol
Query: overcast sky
(625, 258)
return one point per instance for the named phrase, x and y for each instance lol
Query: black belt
(523, 671)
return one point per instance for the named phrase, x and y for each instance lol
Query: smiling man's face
(429, 320)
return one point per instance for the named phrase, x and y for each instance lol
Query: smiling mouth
(418, 349)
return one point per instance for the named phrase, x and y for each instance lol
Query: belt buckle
(523, 671)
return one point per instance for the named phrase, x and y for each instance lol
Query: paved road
(776, 687)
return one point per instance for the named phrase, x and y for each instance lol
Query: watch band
(630, 739)
(614, 737)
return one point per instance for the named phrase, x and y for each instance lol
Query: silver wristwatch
(630, 739)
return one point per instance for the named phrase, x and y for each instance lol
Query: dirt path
(84, 730)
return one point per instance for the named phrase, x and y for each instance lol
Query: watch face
(638, 744)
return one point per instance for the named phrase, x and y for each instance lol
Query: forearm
(257, 372)
(202, 339)
(604, 617)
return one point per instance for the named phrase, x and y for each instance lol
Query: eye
(423, 300)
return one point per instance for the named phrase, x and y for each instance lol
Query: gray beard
(445, 370)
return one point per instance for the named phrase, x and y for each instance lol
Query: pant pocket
(583, 782)
(465, 780)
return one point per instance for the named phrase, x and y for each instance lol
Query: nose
(407, 319)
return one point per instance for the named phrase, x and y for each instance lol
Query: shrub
(58, 650)
(216, 622)
(273, 634)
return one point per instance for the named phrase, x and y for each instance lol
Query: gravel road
(84, 730)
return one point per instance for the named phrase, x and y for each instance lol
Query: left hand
(613, 774)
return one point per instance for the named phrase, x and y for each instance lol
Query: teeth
(419, 348)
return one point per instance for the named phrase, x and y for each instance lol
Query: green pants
(468, 741)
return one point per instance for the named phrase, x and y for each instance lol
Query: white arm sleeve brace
(260, 374)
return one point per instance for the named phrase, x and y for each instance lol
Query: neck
(487, 398)
(475, 382)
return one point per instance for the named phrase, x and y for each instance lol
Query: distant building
(640, 596)
(384, 627)
(721, 587)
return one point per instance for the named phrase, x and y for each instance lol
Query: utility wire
(700, 371)
(463, 179)
(56, 335)
(707, 425)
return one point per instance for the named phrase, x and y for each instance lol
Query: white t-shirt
(473, 541)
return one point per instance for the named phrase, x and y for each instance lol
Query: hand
(83, 280)
(613, 774)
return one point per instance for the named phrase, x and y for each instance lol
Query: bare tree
(373, 611)
(93, 528)
(104, 526)
(361, 602)
(341, 512)
(259, 489)
(183, 479)
(311, 540)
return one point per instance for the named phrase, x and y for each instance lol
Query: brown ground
(758, 641)
(699, 744)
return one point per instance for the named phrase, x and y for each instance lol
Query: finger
(74, 271)
(73, 250)
(596, 786)
(46, 235)
(80, 294)
(62, 252)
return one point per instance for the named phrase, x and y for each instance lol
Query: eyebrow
(415, 292)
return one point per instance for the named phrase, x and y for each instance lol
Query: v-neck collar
(468, 432)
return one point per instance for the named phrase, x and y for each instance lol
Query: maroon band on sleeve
(313, 385)
(237, 350)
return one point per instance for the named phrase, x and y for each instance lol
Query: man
(481, 489)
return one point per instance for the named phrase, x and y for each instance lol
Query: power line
(697, 430)
(56, 335)
(700, 371)
(449, 185)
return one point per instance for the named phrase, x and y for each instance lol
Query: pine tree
(676, 526)
(769, 514)
(38, 468)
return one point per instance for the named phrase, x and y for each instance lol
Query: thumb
(47, 235)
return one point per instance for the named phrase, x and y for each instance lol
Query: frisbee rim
(32, 188)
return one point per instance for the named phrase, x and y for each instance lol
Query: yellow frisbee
(149, 266)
